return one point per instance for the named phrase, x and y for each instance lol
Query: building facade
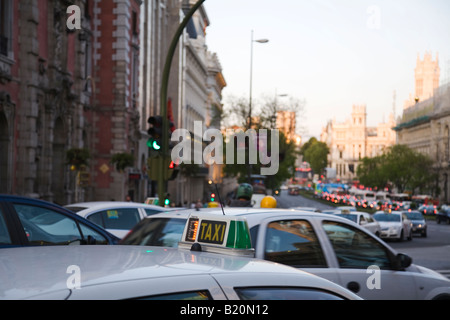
(426, 79)
(286, 122)
(352, 140)
(194, 91)
(63, 88)
(425, 126)
(93, 88)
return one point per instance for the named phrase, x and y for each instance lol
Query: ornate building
(425, 122)
(427, 73)
(352, 140)
(62, 89)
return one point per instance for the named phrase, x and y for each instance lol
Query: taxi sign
(216, 233)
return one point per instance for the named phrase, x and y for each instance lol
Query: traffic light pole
(163, 106)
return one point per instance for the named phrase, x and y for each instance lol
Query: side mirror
(403, 261)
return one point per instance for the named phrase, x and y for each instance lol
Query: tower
(427, 74)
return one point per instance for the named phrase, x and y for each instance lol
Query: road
(432, 252)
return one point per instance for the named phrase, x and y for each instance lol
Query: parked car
(394, 225)
(419, 224)
(364, 219)
(116, 217)
(326, 245)
(31, 222)
(443, 215)
(212, 271)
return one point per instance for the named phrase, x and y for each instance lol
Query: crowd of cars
(138, 251)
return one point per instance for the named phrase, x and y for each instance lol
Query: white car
(154, 273)
(394, 225)
(116, 217)
(326, 245)
(364, 219)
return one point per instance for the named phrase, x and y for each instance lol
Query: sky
(332, 54)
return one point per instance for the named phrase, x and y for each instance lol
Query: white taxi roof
(252, 215)
(46, 272)
(100, 205)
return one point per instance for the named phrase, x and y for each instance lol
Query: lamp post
(250, 98)
(251, 78)
(163, 101)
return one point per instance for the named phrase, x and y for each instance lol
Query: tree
(237, 113)
(370, 172)
(317, 156)
(399, 165)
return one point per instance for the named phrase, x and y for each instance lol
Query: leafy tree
(371, 172)
(237, 113)
(316, 154)
(400, 165)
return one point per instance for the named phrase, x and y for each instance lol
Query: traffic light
(155, 132)
(167, 200)
(213, 197)
(173, 170)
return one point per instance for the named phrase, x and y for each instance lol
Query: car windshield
(414, 215)
(352, 217)
(387, 217)
(165, 232)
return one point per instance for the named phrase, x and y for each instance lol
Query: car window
(194, 295)
(150, 212)
(387, 217)
(284, 293)
(99, 239)
(46, 227)
(355, 248)
(165, 232)
(294, 243)
(4, 234)
(116, 219)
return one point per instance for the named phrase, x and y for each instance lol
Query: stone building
(425, 122)
(194, 92)
(286, 122)
(63, 88)
(352, 140)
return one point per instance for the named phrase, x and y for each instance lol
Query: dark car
(418, 221)
(428, 209)
(31, 222)
(443, 215)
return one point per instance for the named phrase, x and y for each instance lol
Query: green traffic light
(153, 144)
(156, 146)
(167, 202)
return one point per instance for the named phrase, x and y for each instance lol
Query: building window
(6, 24)
(447, 143)
(134, 23)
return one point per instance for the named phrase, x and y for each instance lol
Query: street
(432, 252)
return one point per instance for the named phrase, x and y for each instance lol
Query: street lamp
(251, 77)
(250, 99)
